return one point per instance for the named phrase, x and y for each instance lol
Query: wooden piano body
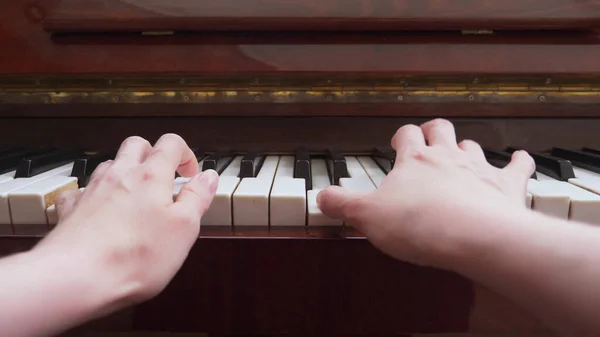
(278, 75)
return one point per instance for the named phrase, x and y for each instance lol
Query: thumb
(337, 202)
(197, 194)
(65, 202)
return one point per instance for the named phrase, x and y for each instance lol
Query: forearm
(549, 266)
(44, 293)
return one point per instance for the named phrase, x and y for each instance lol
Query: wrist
(490, 237)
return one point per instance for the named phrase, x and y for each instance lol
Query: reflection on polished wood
(358, 15)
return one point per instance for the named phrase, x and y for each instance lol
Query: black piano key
(551, 166)
(585, 160)
(8, 152)
(218, 161)
(251, 164)
(384, 158)
(591, 150)
(336, 166)
(302, 167)
(84, 167)
(34, 165)
(500, 159)
(9, 162)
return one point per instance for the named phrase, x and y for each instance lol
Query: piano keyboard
(279, 190)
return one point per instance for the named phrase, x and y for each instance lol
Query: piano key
(7, 176)
(84, 167)
(251, 198)
(251, 164)
(385, 159)
(591, 150)
(28, 205)
(288, 195)
(302, 168)
(218, 161)
(336, 165)
(556, 168)
(583, 205)
(18, 183)
(220, 211)
(320, 181)
(358, 180)
(35, 165)
(10, 161)
(548, 199)
(586, 160)
(373, 170)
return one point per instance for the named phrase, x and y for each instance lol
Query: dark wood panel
(541, 109)
(289, 133)
(28, 49)
(78, 15)
(310, 286)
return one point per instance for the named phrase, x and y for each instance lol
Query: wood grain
(28, 49)
(356, 15)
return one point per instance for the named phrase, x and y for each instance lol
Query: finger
(440, 132)
(473, 149)
(196, 195)
(408, 139)
(66, 202)
(171, 154)
(100, 170)
(336, 202)
(133, 151)
(521, 164)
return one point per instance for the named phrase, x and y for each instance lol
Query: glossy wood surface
(28, 49)
(307, 286)
(287, 134)
(277, 15)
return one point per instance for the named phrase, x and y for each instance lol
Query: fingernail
(210, 179)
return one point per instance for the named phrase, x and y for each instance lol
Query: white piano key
(359, 180)
(528, 200)
(19, 183)
(373, 170)
(220, 212)
(7, 177)
(251, 198)
(548, 199)
(586, 179)
(584, 206)
(288, 196)
(320, 181)
(28, 205)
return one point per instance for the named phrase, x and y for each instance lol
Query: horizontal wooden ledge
(76, 15)
(232, 111)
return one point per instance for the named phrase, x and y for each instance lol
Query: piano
(310, 92)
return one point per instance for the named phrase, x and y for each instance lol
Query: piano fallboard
(279, 15)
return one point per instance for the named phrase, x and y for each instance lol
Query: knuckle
(134, 140)
(171, 137)
(439, 123)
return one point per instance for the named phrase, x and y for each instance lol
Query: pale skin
(442, 206)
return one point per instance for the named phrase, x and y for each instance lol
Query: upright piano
(312, 90)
